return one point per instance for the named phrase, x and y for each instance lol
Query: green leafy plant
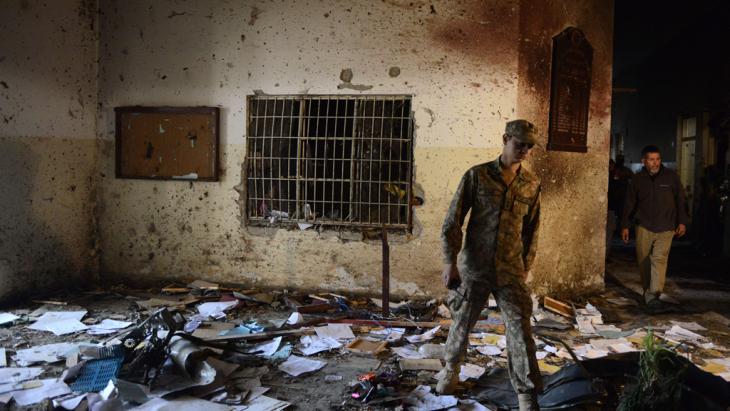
(657, 385)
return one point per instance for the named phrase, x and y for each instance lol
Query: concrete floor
(701, 298)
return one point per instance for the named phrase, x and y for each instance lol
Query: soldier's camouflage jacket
(501, 237)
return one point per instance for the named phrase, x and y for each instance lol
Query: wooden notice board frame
(168, 143)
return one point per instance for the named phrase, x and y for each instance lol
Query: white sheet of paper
(489, 350)
(408, 351)
(216, 309)
(422, 399)
(312, 344)
(264, 403)
(604, 343)
(470, 371)
(181, 404)
(257, 392)
(69, 403)
(7, 318)
(108, 326)
(540, 355)
(3, 358)
(50, 317)
(50, 389)
(679, 333)
(622, 348)
(692, 326)
(467, 371)
(392, 334)
(49, 353)
(66, 327)
(268, 348)
(295, 318)
(388, 331)
(14, 375)
(551, 349)
(107, 392)
(336, 331)
(295, 365)
(60, 322)
(428, 335)
(585, 325)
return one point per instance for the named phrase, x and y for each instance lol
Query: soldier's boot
(528, 402)
(450, 379)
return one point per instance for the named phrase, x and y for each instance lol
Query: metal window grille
(330, 160)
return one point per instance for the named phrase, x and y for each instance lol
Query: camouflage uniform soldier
(504, 199)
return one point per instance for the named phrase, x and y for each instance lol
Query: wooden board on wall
(169, 143)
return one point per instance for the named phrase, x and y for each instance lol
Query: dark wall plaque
(570, 91)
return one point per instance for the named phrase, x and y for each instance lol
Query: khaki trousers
(652, 254)
(467, 302)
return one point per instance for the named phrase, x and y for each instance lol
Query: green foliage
(657, 383)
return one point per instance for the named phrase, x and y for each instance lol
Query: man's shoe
(448, 383)
(655, 306)
(527, 402)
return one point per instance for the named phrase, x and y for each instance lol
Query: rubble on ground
(207, 346)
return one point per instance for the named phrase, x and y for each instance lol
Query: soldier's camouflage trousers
(467, 302)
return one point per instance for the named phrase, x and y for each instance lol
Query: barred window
(330, 160)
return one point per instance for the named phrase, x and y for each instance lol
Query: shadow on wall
(32, 258)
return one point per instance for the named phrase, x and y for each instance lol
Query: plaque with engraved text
(570, 91)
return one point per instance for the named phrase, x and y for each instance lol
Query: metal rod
(386, 274)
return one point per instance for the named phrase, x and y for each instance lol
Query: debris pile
(206, 346)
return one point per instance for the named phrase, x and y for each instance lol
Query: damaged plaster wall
(459, 60)
(574, 184)
(47, 144)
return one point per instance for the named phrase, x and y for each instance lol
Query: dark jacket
(657, 202)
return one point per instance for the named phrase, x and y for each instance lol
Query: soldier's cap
(523, 131)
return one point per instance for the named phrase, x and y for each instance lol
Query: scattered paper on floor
(421, 399)
(295, 365)
(336, 331)
(312, 344)
(50, 388)
(216, 309)
(266, 349)
(108, 326)
(489, 350)
(427, 336)
(60, 322)
(48, 353)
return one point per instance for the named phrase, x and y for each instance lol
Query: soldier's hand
(681, 229)
(451, 275)
(625, 235)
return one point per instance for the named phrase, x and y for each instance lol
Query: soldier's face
(515, 151)
(652, 162)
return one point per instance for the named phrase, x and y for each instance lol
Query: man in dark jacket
(656, 200)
